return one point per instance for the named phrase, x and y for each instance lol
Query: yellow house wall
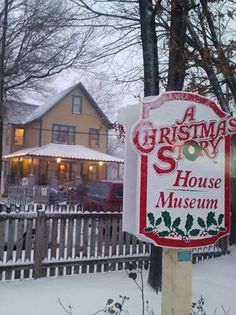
(62, 114)
(32, 134)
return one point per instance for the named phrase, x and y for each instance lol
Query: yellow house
(70, 120)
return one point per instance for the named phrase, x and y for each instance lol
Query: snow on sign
(183, 146)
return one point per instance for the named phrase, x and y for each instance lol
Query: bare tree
(208, 69)
(40, 42)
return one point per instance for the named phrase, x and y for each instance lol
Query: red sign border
(164, 242)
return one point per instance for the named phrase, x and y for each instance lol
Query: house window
(19, 136)
(92, 172)
(77, 104)
(93, 137)
(63, 134)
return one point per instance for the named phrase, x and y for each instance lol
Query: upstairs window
(93, 137)
(63, 134)
(77, 104)
(19, 136)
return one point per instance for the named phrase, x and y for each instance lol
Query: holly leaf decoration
(149, 229)
(180, 232)
(211, 219)
(220, 219)
(167, 218)
(194, 232)
(163, 233)
(151, 218)
(158, 221)
(201, 223)
(222, 229)
(189, 222)
(176, 223)
(212, 232)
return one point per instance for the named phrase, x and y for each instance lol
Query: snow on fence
(40, 241)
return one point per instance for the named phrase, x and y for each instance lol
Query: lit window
(19, 136)
(77, 104)
(93, 137)
(92, 172)
(63, 134)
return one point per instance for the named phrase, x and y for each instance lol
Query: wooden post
(176, 282)
(32, 166)
(118, 171)
(39, 244)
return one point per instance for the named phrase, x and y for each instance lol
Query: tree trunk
(177, 58)
(176, 75)
(149, 47)
(2, 72)
(151, 87)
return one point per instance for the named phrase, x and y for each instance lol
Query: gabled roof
(66, 151)
(46, 107)
(16, 112)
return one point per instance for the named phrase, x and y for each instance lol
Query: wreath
(191, 155)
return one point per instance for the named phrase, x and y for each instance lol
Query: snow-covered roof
(16, 112)
(43, 109)
(65, 151)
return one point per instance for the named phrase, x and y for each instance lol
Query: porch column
(118, 171)
(32, 166)
(2, 177)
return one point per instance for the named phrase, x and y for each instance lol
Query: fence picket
(114, 239)
(69, 243)
(62, 243)
(78, 233)
(53, 256)
(85, 242)
(121, 244)
(10, 245)
(30, 233)
(100, 252)
(107, 241)
(2, 241)
(19, 245)
(93, 233)
(46, 240)
(39, 244)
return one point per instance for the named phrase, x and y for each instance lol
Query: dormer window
(77, 104)
(19, 136)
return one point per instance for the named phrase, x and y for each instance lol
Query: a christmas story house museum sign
(183, 146)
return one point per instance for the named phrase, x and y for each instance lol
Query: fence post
(39, 242)
(225, 245)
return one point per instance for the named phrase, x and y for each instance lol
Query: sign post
(180, 155)
(176, 282)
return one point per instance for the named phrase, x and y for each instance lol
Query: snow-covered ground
(215, 279)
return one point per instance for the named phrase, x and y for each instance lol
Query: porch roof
(64, 151)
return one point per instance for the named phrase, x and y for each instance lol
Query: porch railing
(17, 194)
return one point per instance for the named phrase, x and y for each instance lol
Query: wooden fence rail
(39, 242)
